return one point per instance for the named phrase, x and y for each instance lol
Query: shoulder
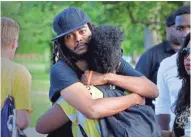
(61, 71)
(21, 70)
(126, 69)
(124, 64)
(61, 67)
(153, 51)
(59, 64)
(168, 63)
(157, 48)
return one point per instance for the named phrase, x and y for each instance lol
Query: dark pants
(148, 102)
(64, 131)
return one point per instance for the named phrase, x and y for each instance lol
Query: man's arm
(162, 106)
(128, 79)
(79, 97)
(64, 79)
(51, 120)
(138, 85)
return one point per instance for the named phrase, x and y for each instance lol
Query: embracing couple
(92, 87)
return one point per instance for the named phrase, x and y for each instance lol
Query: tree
(35, 19)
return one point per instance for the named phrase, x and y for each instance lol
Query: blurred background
(142, 22)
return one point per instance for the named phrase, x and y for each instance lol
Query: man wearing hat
(153, 56)
(73, 30)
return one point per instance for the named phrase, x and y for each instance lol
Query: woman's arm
(79, 97)
(51, 120)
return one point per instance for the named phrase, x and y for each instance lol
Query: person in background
(181, 126)
(167, 80)
(150, 60)
(21, 78)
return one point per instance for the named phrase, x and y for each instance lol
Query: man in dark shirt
(149, 62)
(73, 28)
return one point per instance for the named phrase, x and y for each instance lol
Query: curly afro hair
(104, 51)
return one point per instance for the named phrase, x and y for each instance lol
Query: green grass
(40, 85)
(39, 69)
(40, 104)
(40, 80)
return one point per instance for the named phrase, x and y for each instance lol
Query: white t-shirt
(169, 85)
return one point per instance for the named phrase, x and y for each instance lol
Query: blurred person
(71, 45)
(21, 78)
(167, 81)
(182, 103)
(149, 61)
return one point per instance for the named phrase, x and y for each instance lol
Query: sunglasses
(186, 52)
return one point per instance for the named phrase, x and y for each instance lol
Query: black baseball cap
(69, 20)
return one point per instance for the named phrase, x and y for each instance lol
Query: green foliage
(36, 17)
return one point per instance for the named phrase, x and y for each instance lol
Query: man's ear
(167, 29)
(13, 45)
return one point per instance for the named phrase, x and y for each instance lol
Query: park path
(31, 132)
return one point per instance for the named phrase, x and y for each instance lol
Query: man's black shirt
(150, 60)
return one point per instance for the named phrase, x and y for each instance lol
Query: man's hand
(96, 78)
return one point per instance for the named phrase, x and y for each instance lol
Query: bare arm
(22, 119)
(139, 85)
(78, 96)
(51, 120)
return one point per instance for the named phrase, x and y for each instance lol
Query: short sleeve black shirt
(150, 60)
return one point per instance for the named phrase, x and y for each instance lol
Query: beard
(83, 55)
(77, 56)
(174, 40)
(72, 54)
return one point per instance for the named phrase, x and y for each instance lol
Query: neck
(82, 65)
(176, 47)
(5, 54)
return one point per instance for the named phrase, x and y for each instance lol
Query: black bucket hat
(69, 20)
